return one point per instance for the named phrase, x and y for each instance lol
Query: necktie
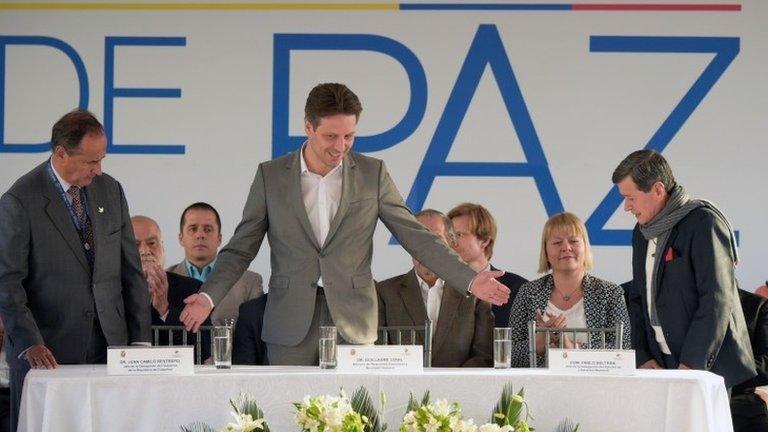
(86, 230)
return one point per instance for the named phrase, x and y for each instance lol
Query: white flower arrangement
(439, 416)
(327, 413)
(248, 417)
(245, 423)
(493, 427)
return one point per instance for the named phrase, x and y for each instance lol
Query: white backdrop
(589, 109)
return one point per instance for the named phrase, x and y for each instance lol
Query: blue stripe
(488, 6)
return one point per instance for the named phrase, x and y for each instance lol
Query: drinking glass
(502, 347)
(327, 347)
(222, 343)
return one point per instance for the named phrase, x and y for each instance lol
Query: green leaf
(197, 427)
(566, 425)
(414, 405)
(509, 407)
(363, 404)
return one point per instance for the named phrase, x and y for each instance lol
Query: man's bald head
(149, 240)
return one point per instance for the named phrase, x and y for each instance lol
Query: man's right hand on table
(40, 357)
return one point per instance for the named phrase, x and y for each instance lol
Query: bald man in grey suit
(319, 207)
(70, 278)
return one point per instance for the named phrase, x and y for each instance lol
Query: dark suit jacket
(248, 348)
(748, 410)
(697, 300)
(464, 331)
(513, 282)
(179, 288)
(48, 293)
(756, 314)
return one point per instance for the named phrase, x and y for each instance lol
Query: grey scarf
(678, 206)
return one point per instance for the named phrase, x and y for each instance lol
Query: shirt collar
(305, 169)
(65, 185)
(201, 275)
(423, 284)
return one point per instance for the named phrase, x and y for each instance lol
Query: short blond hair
(481, 223)
(571, 224)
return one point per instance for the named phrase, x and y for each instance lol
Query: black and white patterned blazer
(604, 306)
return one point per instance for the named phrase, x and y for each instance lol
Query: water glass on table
(222, 343)
(502, 347)
(327, 347)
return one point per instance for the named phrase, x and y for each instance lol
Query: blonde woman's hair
(571, 224)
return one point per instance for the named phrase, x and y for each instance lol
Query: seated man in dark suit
(476, 230)
(748, 408)
(167, 290)
(462, 326)
(248, 348)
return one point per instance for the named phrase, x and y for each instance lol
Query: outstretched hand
(195, 312)
(485, 287)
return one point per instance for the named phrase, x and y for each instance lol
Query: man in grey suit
(462, 326)
(683, 260)
(200, 236)
(319, 207)
(70, 278)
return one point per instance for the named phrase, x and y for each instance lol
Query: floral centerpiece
(248, 417)
(327, 413)
(440, 416)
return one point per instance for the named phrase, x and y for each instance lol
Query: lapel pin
(101, 209)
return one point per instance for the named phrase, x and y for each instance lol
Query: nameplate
(380, 358)
(137, 360)
(605, 362)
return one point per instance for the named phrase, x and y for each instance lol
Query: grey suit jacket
(248, 287)
(275, 208)
(48, 294)
(464, 331)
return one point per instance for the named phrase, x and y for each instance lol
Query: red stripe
(682, 7)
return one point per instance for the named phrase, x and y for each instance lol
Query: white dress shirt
(321, 196)
(433, 297)
(650, 256)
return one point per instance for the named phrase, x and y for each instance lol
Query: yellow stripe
(201, 6)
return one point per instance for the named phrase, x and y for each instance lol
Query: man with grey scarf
(687, 313)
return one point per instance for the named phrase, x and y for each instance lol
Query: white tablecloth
(85, 398)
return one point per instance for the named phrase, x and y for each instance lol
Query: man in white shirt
(321, 237)
(462, 327)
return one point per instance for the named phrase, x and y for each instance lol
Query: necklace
(567, 297)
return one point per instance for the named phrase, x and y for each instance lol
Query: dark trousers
(5, 409)
(749, 413)
(96, 353)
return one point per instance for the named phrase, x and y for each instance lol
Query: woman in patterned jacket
(567, 296)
